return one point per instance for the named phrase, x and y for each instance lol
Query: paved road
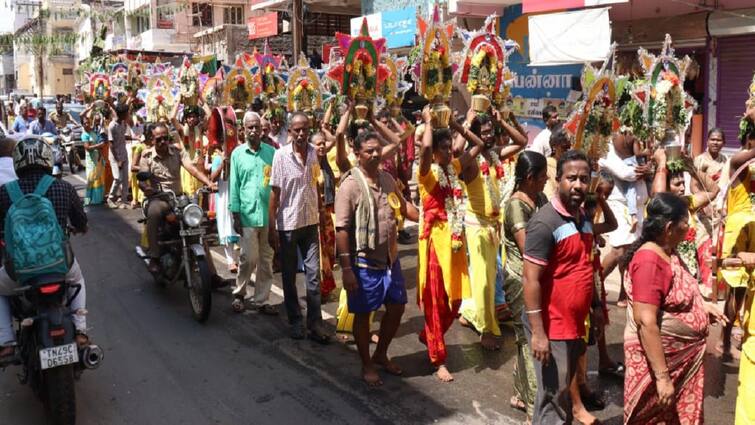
(161, 367)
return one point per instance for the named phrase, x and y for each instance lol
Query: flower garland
(364, 77)
(688, 252)
(493, 192)
(667, 110)
(454, 211)
(487, 82)
(439, 75)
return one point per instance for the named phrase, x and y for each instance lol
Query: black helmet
(32, 151)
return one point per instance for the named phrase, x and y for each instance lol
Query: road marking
(79, 178)
(274, 289)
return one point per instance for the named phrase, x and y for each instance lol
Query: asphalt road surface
(161, 367)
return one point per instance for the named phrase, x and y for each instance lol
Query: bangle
(662, 374)
(344, 254)
(533, 311)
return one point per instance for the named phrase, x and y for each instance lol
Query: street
(161, 367)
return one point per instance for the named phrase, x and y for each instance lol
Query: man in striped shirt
(294, 216)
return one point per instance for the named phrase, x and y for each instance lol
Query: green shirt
(250, 184)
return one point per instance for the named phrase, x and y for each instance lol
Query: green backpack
(35, 245)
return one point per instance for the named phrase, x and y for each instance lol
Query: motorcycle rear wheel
(59, 395)
(200, 291)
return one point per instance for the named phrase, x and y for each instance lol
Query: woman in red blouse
(664, 339)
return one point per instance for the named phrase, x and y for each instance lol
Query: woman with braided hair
(530, 178)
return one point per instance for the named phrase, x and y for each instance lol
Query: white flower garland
(495, 195)
(454, 210)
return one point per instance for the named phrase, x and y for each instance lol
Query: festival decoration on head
(136, 73)
(304, 92)
(394, 88)
(434, 69)
(238, 89)
(667, 107)
(119, 85)
(485, 73)
(99, 86)
(188, 82)
(360, 73)
(212, 88)
(594, 118)
(160, 98)
(745, 125)
(267, 79)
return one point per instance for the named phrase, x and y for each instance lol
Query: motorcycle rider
(32, 159)
(59, 117)
(164, 161)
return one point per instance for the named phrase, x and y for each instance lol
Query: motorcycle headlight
(192, 215)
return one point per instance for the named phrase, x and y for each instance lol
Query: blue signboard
(399, 27)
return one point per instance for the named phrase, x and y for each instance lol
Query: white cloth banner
(569, 37)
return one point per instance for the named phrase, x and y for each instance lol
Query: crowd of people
(508, 234)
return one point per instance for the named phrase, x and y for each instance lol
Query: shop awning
(532, 6)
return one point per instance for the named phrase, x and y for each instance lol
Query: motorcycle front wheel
(72, 161)
(200, 290)
(59, 395)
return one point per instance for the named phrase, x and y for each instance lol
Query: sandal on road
(238, 305)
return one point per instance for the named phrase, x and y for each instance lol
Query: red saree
(684, 328)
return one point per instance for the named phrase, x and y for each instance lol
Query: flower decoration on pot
(595, 117)
(119, 80)
(136, 73)
(160, 98)
(393, 90)
(666, 105)
(188, 78)
(238, 87)
(433, 70)
(304, 91)
(745, 125)
(485, 71)
(267, 76)
(361, 75)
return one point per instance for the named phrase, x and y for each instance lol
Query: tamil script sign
(398, 27)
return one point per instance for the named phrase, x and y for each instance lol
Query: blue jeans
(304, 241)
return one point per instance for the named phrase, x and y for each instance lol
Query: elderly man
(251, 165)
(294, 209)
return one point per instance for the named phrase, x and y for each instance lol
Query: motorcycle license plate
(58, 356)
(192, 232)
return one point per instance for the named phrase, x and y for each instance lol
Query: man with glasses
(293, 221)
(164, 161)
(251, 165)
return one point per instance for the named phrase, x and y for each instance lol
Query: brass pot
(441, 115)
(480, 103)
(361, 111)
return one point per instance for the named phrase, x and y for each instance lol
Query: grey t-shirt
(116, 134)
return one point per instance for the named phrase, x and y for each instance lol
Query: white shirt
(542, 143)
(624, 172)
(7, 172)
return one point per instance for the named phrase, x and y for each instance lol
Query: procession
(314, 201)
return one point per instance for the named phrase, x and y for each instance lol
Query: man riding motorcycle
(163, 161)
(61, 118)
(32, 159)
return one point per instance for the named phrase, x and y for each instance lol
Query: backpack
(35, 244)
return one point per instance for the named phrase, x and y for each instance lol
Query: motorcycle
(48, 354)
(58, 153)
(182, 254)
(71, 147)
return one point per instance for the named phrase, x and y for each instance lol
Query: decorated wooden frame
(360, 74)
(119, 79)
(595, 118)
(238, 87)
(434, 69)
(160, 98)
(485, 71)
(267, 73)
(304, 91)
(664, 80)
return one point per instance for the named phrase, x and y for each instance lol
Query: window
(201, 14)
(233, 15)
(67, 71)
(140, 23)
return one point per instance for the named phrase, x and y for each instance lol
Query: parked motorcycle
(49, 356)
(182, 254)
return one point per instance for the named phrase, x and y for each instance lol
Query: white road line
(219, 259)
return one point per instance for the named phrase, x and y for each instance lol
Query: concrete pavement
(161, 367)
